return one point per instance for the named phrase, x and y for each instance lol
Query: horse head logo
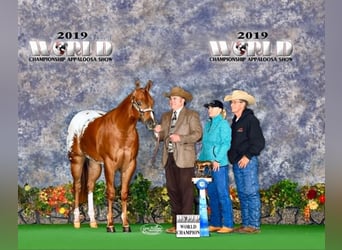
(60, 47)
(242, 47)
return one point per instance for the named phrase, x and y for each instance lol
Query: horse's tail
(84, 181)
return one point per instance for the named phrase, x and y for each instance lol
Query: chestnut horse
(96, 138)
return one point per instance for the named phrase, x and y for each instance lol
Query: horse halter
(139, 109)
(150, 125)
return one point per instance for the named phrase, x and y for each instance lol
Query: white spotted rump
(79, 123)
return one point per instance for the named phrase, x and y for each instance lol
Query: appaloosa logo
(151, 229)
(60, 47)
(71, 47)
(253, 47)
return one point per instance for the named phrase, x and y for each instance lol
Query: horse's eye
(139, 103)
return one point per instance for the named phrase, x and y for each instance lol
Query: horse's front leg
(110, 199)
(126, 176)
(124, 198)
(110, 192)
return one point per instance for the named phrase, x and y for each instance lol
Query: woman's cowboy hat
(178, 91)
(240, 95)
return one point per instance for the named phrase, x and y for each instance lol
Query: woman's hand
(216, 165)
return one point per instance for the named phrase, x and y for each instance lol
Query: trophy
(202, 178)
(203, 169)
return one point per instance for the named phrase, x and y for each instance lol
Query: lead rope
(155, 151)
(141, 111)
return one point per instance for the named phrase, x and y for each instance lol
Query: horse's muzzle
(150, 124)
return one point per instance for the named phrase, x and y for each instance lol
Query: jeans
(247, 185)
(219, 199)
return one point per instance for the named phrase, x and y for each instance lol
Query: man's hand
(243, 162)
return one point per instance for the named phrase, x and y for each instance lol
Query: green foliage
(146, 202)
(28, 198)
(100, 194)
(138, 196)
(283, 194)
(45, 200)
(159, 205)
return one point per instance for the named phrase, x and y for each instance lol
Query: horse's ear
(137, 84)
(148, 85)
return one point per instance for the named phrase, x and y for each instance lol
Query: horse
(95, 139)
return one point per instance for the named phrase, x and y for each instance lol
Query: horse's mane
(124, 107)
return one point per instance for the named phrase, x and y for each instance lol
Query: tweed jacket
(189, 128)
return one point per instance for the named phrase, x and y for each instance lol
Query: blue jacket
(216, 140)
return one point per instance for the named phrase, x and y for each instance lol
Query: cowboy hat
(240, 95)
(178, 91)
(214, 103)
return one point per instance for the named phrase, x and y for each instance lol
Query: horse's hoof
(110, 229)
(93, 224)
(77, 225)
(126, 229)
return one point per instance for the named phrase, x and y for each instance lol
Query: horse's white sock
(91, 211)
(76, 214)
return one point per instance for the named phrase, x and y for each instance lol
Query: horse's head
(143, 103)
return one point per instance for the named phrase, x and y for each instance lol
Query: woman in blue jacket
(215, 145)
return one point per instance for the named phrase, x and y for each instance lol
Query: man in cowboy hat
(180, 129)
(247, 143)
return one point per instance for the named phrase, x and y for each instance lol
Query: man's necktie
(173, 119)
(172, 126)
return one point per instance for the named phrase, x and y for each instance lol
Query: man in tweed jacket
(180, 129)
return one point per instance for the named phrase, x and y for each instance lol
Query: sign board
(188, 225)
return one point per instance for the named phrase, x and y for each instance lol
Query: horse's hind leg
(76, 165)
(94, 174)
